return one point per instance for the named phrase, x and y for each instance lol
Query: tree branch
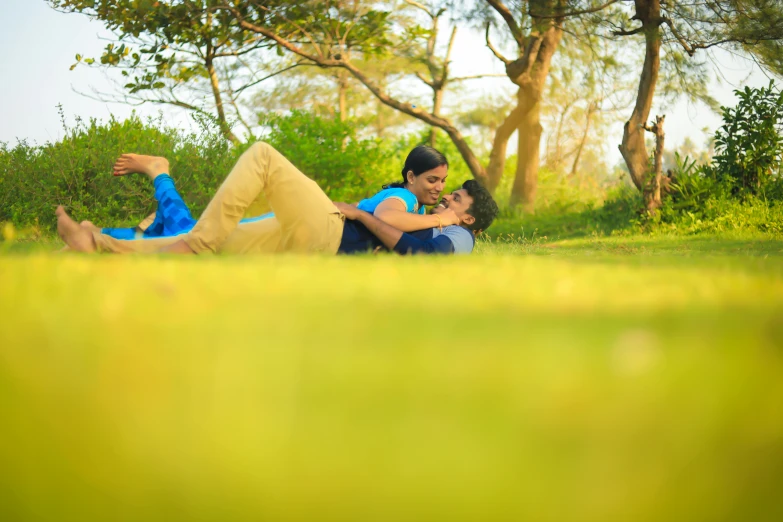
(446, 61)
(281, 71)
(478, 76)
(688, 49)
(505, 13)
(420, 6)
(574, 13)
(495, 51)
(623, 32)
(425, 80)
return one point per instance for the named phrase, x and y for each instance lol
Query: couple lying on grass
(304, 219)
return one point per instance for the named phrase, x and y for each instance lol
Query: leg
(108, 245)
(173, 215)
(253, 237)
(77, 238)
(308, 220)
(81, 239)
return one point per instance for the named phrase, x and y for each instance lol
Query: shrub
(76, 172)
(328, 150)
(701, 202)
(748, 145)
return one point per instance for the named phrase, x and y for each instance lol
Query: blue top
(403, 194)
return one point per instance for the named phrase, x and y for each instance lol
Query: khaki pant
(305, 218)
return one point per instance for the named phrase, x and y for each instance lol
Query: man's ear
(467, 219)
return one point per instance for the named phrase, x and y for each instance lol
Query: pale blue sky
(40, 44)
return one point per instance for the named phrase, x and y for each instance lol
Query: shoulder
(462, 239)
(403, 194)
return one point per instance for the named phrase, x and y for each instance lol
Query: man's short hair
(483, 209)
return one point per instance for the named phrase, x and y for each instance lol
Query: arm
(393, 212)
(394, 239)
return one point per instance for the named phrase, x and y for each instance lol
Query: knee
(261, 147)
(263, 152)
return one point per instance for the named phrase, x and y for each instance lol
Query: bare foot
(76, 237)
(89, 226)
(152, 166)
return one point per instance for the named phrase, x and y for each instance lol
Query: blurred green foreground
(597, 380)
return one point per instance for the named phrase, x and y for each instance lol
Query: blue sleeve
(411, 245)
(461, 238)
(405, 195)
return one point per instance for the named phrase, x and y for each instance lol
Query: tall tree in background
(322, 31)
(182, 53)
(535, 30)
(753, 27)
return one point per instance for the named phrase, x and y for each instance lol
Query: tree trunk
(474, 165)
(497, 157)
(213, 81)
(342, 89)
(588, 117)
(632, 147)
(523, 191)
(554, 162)
(531, 86)
(652, 190)
(437, 103)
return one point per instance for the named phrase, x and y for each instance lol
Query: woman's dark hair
(483, 209)
(420, 160)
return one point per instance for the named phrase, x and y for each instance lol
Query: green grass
(595, 379)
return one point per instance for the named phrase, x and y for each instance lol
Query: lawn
(629, 379)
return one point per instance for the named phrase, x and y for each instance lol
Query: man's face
(459, 202)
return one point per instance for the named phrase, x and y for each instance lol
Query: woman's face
(428, 185)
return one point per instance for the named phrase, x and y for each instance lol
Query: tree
(739, 25)
(177, 52)
(330, 34)
(535, 30)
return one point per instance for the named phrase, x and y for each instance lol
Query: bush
(327, 150)
(742, 188)
(701, 202)
(76, 172)
(748, 145)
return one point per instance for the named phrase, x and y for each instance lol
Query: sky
(40, 45)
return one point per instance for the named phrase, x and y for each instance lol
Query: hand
(448, 217)
(349, 211)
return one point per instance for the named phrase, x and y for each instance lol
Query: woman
(401, 204)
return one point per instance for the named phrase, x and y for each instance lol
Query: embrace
(303, 220)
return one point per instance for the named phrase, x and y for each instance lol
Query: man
(305, 220)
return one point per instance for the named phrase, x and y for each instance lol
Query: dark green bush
(701, 202)
(749, 145)
(76, 172)
(346, 167)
